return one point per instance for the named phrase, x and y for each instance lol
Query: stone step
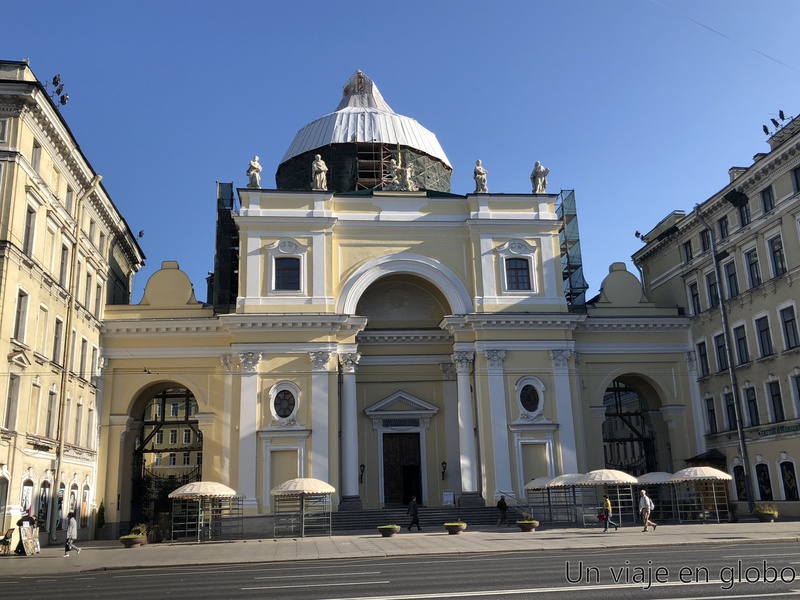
(370, 519)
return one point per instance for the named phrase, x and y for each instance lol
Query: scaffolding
(575, 285)
(205, 511)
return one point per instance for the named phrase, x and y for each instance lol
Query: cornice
(382, 338)
(475, 322)
(198, 325)
(299, 322)
(644, 324)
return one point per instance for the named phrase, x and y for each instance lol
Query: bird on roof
(765, 128)
(141, 233)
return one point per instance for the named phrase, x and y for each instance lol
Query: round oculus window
(529, 398)
(284, 404)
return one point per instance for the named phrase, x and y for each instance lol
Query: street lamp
(726, 337)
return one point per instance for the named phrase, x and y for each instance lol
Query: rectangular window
(12, 402)
(767, 199)
(159, 437)
(173, 436)
(687, 251)
(776, 254)
(705, 239)
(58, 340)
(711, 415)
(30, 228)
(90, 431)
(744, 214)
(199, 458)
(796, 179)
(172, 459)
(753, 271)
(732, 279)
(518, 275)
(98, 300)
(93, 362)
(63, 268)
(21, 316)
(775, 401)
(78, 424)
(702, 359)
(52, 413)
(694, 295)
(174, 407)
(87, 293)
(36, 157)
(68, 199)
(722, 357)
(158, 459)
(722, 225)
(796, 381)
(187, 436)
(77, 290)
(84, 356)
(187, 457)
(287, 273)
(789, 323)
(730, 410)
(41, 330)
(752, 406)
(742, 352)
(713, 292)
(92, 230)
(101, 246)
(764, 337)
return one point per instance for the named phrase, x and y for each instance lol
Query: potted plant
(527, 522)
(137, 536)
(388, 530)
(766, 513)
(455, 527)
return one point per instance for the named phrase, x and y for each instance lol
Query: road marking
(326, 584)
(576, 588)
(306, 576)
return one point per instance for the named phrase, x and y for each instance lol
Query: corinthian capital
(249, 361)
(319, 360)
(463, 361)
(349, 361)
(560, 358)
(495, 357)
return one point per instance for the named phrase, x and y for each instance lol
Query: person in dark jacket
(503, 508)
(413, 510)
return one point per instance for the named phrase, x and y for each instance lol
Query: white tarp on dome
(700, 474)
(364, 116)
(302, 485)
(606, 477)
(204, 489)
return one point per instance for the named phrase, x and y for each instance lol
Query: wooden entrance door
(402, 470)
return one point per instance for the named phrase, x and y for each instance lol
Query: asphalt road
(726, 571)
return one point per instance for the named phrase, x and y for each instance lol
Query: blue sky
(640, 106)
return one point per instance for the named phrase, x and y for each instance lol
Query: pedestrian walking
(72, 533)
(503, 508)
(413, 510)
(607, 514)
(646, 506)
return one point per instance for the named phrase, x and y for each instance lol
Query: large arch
(404, 263)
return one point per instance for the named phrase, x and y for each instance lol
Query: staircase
(428, 517)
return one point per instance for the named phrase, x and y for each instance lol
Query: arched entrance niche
(635, 436)
(403, 348)
(164, 449)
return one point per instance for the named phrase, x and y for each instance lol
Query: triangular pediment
(19, 359)
(403, 404)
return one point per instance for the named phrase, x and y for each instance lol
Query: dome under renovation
(366, 145)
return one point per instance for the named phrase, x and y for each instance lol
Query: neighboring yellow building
(394, 339)
(754, 221)
(65, 252)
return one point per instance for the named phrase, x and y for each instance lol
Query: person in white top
(72, 533)
(645, 508)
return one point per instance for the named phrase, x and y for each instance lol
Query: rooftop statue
(254, 173)
(393, 175)
(479, 174)
(539, 178)
(319, 174)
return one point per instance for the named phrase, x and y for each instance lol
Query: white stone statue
(539, 178)
(254, 173)
(393, 175)
(479, 174)
(319, 174)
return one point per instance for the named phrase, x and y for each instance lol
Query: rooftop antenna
(57, 91)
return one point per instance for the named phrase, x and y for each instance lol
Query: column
(248, 425)
(452, 474)
(499, 416)
(566, 422)
(466, 429)
(228, 363)
(319, 414)
(350, 496)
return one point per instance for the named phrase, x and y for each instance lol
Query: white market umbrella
(302, 485)
(204, 489)
(606, 477)
(699, 474)
(655, 478)
(539, 483)
(565, 480)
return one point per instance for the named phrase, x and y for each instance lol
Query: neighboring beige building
(754, 221)
(65, 252)
(391, 338)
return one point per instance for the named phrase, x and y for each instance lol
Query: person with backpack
(646, 506)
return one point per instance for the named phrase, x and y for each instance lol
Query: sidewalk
(431, 540)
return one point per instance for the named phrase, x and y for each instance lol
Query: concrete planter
(388, 530)
(455, 528)
(133, 542)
